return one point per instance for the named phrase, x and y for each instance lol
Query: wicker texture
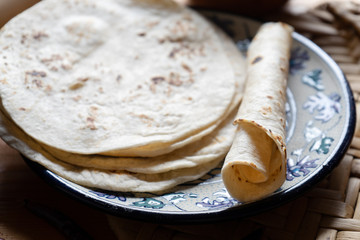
(331, 210)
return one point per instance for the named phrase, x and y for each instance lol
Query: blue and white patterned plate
(320, 125)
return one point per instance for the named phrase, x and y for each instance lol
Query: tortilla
(208, 149)
(103, 179)
(255, 165)
(237, 63)
(114, 77)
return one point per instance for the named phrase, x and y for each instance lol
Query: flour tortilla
(238, 66)
(116, 77)
(212, 147)
(206, 149)
(255, 165)
(103, 179)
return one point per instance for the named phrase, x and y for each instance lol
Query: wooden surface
(330, 211)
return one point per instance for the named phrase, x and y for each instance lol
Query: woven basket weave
(331, 210)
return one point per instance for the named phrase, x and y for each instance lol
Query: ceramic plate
(320, 125)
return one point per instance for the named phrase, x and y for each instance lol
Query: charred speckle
(186, 67)
(36, 73)
(157, 80)
(173, 52)
(118, 77)
(83, 79)
(23, 38)
(40, 35)
(142, 34)
(48, 88)
(257, 59)
(38, 83)
(91, 124)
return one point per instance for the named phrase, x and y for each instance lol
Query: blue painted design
(193, 195)
(175, 197)
(322, 145)
(223, 200)
(299, 167)
(298, 59)
(327, 106)
(313, 79)
(243, 45)
(311, 132)
(149, 203)
(119, 196)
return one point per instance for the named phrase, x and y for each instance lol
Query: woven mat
(331, 210)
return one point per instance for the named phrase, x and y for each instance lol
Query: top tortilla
(108, 76)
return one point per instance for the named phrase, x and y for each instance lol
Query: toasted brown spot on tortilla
(157, 80)
(91, 123)
(77, 98)
(3, 81)
(174, 51)
(257, 59)
(118, 78)
(35, 73)
(48, 88)
(40, 35)
(38, 83)
(23, 38)
(253, 165)
(266, 110)
(76, 85)
(186, 67)
(174, 79)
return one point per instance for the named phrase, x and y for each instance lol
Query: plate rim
(245, 209)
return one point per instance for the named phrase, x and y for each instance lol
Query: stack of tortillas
(125, 95)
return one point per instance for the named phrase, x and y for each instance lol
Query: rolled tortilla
(256, 163)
